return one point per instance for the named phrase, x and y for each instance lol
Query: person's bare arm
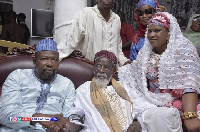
(190, 105)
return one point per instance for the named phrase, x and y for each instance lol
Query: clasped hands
(61, 125)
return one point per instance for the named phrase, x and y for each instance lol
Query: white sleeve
(75, 35)
(162, 119)
(69, 100)
(11, 102)
(121, 57)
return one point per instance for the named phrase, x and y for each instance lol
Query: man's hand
(56, 126)
(192, 125)
(77, 53)
(134, 127)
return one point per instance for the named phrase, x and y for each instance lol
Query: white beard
(102, 82)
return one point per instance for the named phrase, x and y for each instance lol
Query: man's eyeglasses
(146, 11)
(196, 20)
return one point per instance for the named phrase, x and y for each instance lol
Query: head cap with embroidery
(160, 19)
(46, 44)
(106, 54)
(152, 3)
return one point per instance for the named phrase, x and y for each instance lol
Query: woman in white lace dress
(167, 70)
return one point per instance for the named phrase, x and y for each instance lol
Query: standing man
(105, 102)
(21, 21)
(38, 92)
(97, 28)
(12, 31)
(126, 34)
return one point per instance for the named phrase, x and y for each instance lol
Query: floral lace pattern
(152, 64)
(178, 68)
(115, 104)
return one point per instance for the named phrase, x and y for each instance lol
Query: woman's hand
(127, 62)
(192, 125)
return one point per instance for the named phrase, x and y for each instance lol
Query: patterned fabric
(160, 20)
(136, 48)
(94, 122)
(41, 100)
(178, 68)
(153, 86)
(103, 106)
(45, 90)
(138, 35)
(147, 2)
(185, 8)
(46, 44)
(114, 100)
(20, 94)
(106, 54)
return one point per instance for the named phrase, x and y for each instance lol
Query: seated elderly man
(111, 106)
(105, 102)
(38, 92)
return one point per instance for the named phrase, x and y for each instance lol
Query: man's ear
(34, 62)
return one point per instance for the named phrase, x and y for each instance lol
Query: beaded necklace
(115, 104)
(153, 63)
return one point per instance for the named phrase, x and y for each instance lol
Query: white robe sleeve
(162, 119)
(93, 120)
(75, 35)
(11, 102)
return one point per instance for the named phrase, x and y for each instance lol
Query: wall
(25, 7)
(89, 3)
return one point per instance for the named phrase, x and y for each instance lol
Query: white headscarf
(179, 67)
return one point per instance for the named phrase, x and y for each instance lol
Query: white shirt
(90, 33)
(93, 119)
(19, 95)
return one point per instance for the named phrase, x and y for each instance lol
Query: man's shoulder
(22, 71)
(83, 87)
(87, 9)
(86, 12)
(63, 78)
(20, 74)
